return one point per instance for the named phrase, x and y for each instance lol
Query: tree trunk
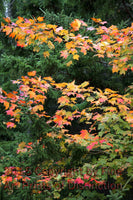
(7, 8)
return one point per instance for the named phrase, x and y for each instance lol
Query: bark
(7, 7)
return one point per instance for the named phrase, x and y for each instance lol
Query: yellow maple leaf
(37, 107)
(46, 54)
(50, 45)
(22, 145)
(6, 104)
(76, 57)
(32, 94)
(69, 63)
(109, 91)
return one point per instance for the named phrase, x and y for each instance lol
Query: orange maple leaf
(84, 133)
(58, 120)
(76, 24)
(12, 35)
(7, 19)
(33, 73)
(10, 125)
(20, 19)
(63, 100)
(40, 19)
(98, 21)
(8, 30)
(58, 39)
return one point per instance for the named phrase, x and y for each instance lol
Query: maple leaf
(36, 48)
(91, 28)
(103, 22)
(22, 145)
(109, 91)
(69, 63)
(20, 20)
(76, 24)
(97, 117)
(119, 100)
(101, 141)
(58, 39)
(9, 179)
(80, 96)
(84, 134)
(6, 104)
(51, 45)
(92, 145)
(8, 30)
(83, 23)
(16, 113)
(10, 112)
(40, 19)
(123, 108)
(10, 125)
(37, 107)
(84, 84)
(32, 73)
(98, 20)
(20, 44)
(110, 144)
(76, 57)
(83, 50)
(32, 94)
(117, 150)
(8, 20)
(64, 54)
(111, 109)
(58, 120)
(24, 88)
(46, 54)
(12, 35)
(63, 100)
(103, 99)
(59, 29)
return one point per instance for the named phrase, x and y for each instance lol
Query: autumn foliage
(112, 43)
(107, 116)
